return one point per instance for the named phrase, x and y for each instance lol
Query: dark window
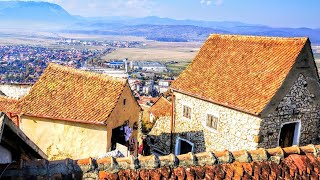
(187, 112)
(124, 102)
(212, 121)
(185, 147)
(287, 135)
(117, 137)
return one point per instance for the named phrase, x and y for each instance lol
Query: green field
(177, 68)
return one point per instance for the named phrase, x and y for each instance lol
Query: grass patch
(177, 68)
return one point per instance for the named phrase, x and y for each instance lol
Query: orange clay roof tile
(68, 94)
(8, 104)
(162, 107)
(241, 72)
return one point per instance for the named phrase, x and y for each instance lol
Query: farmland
(157, 51)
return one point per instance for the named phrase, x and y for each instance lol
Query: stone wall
(297, 106)
(236, 130)
(161, 134)
(162, 125)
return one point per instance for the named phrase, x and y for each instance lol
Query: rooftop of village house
(86, 97)
(241, 72)
(162, 107)
(8, 104)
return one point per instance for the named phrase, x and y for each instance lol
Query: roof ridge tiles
(83, 72)
(303, 38)
(274, 155)
(290, 162)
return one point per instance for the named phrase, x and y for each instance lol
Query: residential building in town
(71, 113)
(247, 92)
(148, 66)
(163, 82)
(147, 89)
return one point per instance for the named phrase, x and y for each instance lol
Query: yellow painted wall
(121, 113)
(64, 139)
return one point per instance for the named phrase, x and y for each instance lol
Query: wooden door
(287, 135)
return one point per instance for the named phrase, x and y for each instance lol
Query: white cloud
(209, 2)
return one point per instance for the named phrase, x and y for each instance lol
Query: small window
(187, 112)
(212, 121)
(124, 102)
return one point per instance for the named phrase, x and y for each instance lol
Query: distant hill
(28, 13)
(49, 16)
(166, 29)
(168, 33)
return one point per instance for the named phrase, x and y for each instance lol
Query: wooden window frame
(186, 111)
(210, 118)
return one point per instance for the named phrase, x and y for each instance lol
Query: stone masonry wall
(160, 132)
(236, 130)
(162, 125)
(297, 106)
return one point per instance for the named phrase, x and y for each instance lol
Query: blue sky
(276, 13)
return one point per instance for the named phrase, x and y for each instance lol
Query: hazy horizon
(272, 13)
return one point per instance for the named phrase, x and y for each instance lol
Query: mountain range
(49, 16)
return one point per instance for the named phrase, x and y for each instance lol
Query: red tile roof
(68, 94)
(8, 104)
(241, 72)
(162, 107)
(277, 163)
(9, 107)
(148, 99)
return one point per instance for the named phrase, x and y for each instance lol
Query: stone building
(71, 113)
(246, 92)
